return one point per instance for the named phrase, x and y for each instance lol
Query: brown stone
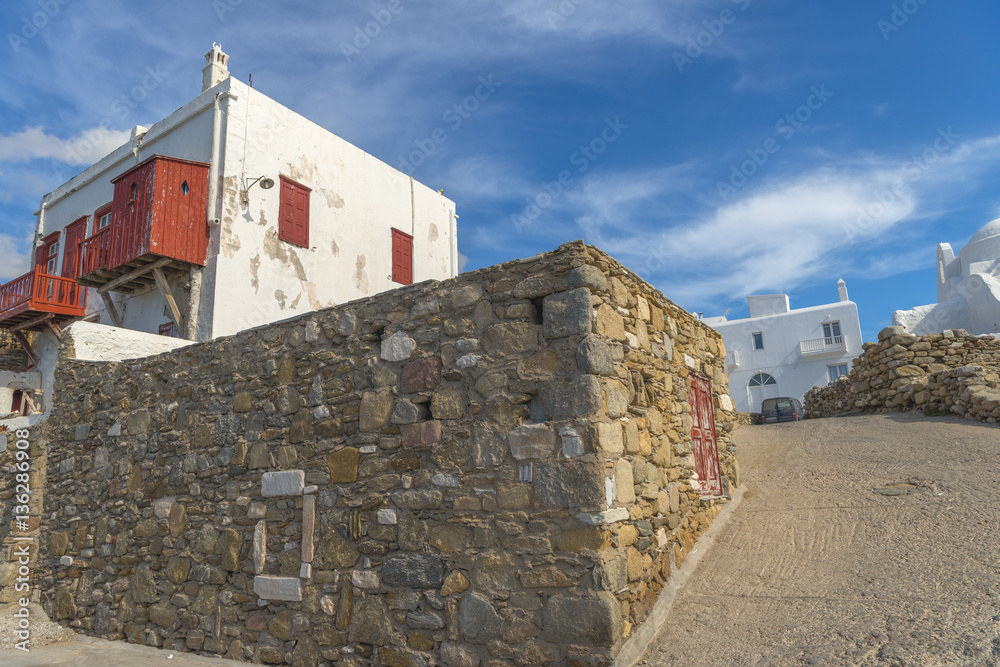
(546, 577)
(281, 625)
(455, 582)
(589, 538)
(58, 543)
(176, 520)
(343, 465)
(243, 402)
(450, 538)
(308, 527)
(376, 410)
(421, 375)
(610, 323)
(419, 435)
(230, 546)
(448, 403)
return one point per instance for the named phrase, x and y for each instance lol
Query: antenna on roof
(251, 80)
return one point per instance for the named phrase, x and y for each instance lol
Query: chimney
(216, 67)
(842, 290)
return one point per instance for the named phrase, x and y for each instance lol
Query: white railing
(826, 344)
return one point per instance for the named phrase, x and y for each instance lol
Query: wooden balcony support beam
(132, 275)
(116, 319)
(23, 340)
(164, 287)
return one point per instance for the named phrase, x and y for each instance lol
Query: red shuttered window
(293, 213)
(402, 257)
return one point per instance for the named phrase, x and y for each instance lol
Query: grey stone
(418, 499)
(572, 443)
(594, 356)
(207, 574)
(425, 620)
(532, 441)
(567, 313)
(577, 397)
(577, 483)
(386, 517)
(588, 276)
(259, 548)
(163, 614)
(162, 506)
(413, 570)
(511, 338)
(611, 575)
(138, 422)
(278, 588)
(616, 398)
(604, 518)
(82, 431)
(142, 585)
(480, 621)
(398, 347)
(367, 579)
(467, 361)
(258, 457)
(450, 481)
(370, 622)
(465, 296)
(282, 483)
(115, 430)
(405, 412)
(573, 619)
(457, 655)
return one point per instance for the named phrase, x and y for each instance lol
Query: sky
(718, 148)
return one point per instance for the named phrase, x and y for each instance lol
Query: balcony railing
(95, 251)
(823, 345)
(36, 293)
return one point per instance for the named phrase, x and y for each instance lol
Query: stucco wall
(501, 468)
(355, 201)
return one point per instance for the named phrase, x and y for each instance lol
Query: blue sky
(716, 147)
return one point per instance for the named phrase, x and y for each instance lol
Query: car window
(768, 405)
(784, 405)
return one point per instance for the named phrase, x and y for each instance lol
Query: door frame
(704, 444)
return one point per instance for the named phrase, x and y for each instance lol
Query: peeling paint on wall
(279, 296)
(254, 269)
(284, 253)
(333, 200)
(335, 248)
(360, 275)
(432, 232)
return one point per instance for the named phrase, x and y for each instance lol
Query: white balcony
(732, 359)
(832, 345)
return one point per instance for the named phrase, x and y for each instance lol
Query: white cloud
(34, 143)
(13, 260)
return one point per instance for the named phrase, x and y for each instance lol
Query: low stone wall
(492, 470)
(948, 373)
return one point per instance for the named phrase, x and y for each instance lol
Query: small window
(133, 193)
(184, 188)
(402, 257)
(836, 371)
(48, 254)
(168, 329)
(758, 341)
(293, 213)
(762, 380)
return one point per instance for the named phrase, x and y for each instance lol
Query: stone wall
(492, 470)
(12, 357)
(946, 373)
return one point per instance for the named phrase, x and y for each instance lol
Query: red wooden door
(75, 234)
(706, 452)
(402, 257)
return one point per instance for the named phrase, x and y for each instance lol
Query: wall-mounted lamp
(265, 184)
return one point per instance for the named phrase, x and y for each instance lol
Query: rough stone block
(590, 277)
(398, 347)
(611, 443)
(604, 518)
(511, 338)
(609, 323)
(566, 399)
(577, 483)
(376, 410)
(489, 444)
(421, 375)
(573, 619)
(532, 441)
(419, 435)
(282, 483)
(413, 570)
(479, 620)
(343, 465)
(308, 527)
(594, 356)
(278, 588)
(572, 443)
(615, 398)
(567, 313)
(162, 506)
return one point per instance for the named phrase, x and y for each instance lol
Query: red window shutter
(293, 213)
(402, 257)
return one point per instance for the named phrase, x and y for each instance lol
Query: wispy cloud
(34, 143)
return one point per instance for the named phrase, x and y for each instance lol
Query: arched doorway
(761, 386)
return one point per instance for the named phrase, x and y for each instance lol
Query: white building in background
(230, 213)
(778, 351)
(968, 289)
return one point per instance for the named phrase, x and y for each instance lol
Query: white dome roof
(989, 231)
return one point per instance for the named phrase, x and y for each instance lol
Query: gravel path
(868, 541)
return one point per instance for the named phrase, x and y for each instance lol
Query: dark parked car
(784, 409)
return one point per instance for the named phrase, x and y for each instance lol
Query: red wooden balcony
(157, 221)
(31, 302)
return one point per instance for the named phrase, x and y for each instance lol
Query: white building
(968, 288)
(778, 351)
(231, 212)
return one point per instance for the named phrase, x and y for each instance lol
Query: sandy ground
(825, 563)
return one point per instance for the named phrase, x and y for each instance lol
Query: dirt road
(818, 566)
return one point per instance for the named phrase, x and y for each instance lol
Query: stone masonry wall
(948, 373)
(492, 470)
